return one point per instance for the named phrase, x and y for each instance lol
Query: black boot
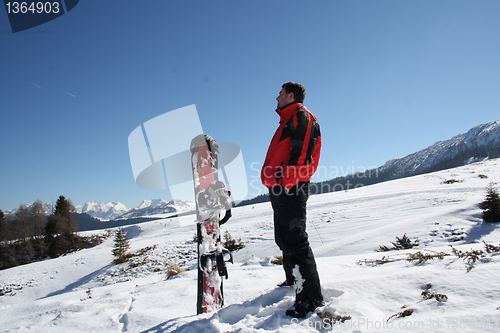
(285, 283)
(301, 309)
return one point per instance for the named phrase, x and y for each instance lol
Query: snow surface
(86, 292)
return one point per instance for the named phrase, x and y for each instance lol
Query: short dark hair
(298, 90)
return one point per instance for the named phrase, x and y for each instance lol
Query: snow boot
(302, 308)
(286, 283)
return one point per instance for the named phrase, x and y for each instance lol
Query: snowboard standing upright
(212, 198)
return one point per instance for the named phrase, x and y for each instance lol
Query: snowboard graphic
(212, 199)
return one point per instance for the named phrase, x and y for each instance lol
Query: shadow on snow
(70, 287)
(268, 309)
(480, 230)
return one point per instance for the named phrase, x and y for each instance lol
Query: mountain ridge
(110, 211)
(479, 143)
(148, 207)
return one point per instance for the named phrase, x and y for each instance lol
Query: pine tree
(491, 205)
(65, 213)
(60, 228)
(122, 245)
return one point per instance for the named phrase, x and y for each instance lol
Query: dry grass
(173, 270)
(277, 260)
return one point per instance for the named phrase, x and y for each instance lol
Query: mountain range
(117, 210)
(479, 143)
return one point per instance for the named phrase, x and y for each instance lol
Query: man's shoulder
(303, 111)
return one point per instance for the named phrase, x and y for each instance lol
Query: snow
(86, 292)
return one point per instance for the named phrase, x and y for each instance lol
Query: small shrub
(426, 294)
(140, 257)
(450, 181)
(402, 243)
(384, 248)
(489, 248)
(124, 258)
(230, 243)
(405, 313)
(470, 257)
(89, 293)
(420, 257)
(329, 320)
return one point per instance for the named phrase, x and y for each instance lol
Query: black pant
(292, 239)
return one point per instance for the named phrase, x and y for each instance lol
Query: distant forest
(30, 235)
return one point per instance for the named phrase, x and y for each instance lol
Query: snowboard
(212, 200)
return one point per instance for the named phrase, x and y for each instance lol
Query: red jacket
(293, 154)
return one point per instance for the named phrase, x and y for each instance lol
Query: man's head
(291, 92)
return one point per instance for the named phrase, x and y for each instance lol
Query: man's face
(285, 98)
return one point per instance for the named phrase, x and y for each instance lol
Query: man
(291, 160)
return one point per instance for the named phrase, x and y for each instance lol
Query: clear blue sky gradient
(385, 79)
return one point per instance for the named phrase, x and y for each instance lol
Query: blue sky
(384, 78)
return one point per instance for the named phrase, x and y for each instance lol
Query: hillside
(86, 292)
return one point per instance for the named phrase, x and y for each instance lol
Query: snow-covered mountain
(103, 211)
(479, 143)
(47, 207)
(372, 291)
(158, 207)
(116, 210)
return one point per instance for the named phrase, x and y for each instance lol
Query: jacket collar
(288, 110)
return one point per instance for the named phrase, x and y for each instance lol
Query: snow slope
(86, 292)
